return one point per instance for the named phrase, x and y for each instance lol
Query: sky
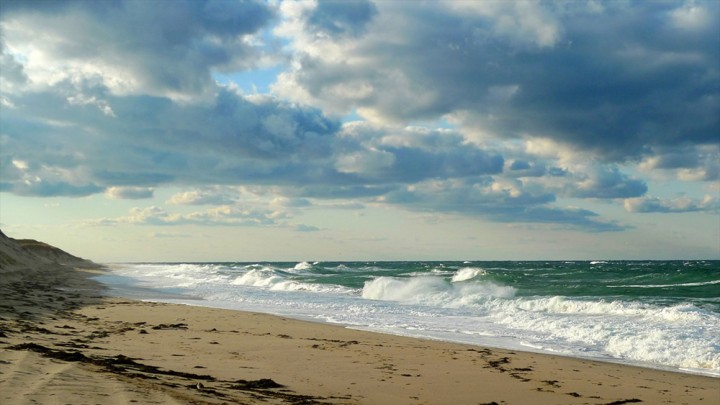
(362, 130)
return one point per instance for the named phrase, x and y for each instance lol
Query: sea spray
(432, 291)
(467, 273)
(303, 266)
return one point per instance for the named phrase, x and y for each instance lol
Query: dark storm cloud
(149, 141)
(152, 141)
(613, 78)
(50, 188)
(339, 17)
(12, 71)
(417, 164)
(118, 97)
(695, 162)
(606, 184)
(377, 154)
(158, 47)
(502, 203)
(524, 168)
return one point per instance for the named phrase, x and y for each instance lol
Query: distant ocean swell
(653, 314)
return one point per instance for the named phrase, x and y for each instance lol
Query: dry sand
(62, 341)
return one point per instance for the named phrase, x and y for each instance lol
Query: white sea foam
(679, 336)
(275, 280)
(303, 266)
(263, 277)
(468, 273)
(182, 275)
(431, 290)
(699, 284)
(661, 346)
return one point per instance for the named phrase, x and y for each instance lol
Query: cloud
(291, 202)
(567, 175)
(12, 73)
(30, 178)
(164, 51)
(152, 141)
(332, 191)
(158, 235)
(690, 163)
(238, 140)
(341, 17)
(129, 193)
(234, 140)
(672, 206)
(411, 154)
(497, 200)
(520, 23)
(691, 16)
(605, 80)
(42, 188)
(225, 215)
(489, 109)
(306, 228)
(345, 206)
(605, 183)
(235, 215)
(202, 197)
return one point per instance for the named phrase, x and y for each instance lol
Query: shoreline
(62, 339)
(194, 302)
(149, 294)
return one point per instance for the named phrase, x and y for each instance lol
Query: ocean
(659, 314)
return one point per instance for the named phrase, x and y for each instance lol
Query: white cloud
(691, 16)
(225, 215)
(102, 105)
(675, 205)
(20, 164)
(524, 22)
(689, 163)
(130, 193)
(202, 197)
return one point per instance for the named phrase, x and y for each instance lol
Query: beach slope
(63, 341)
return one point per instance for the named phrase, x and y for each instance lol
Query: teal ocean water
(662, 314)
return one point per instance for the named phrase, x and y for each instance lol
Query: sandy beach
(63, 341)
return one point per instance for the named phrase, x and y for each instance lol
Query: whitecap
(303, 266)
(433, 291)
(468, 273)
(698, 284)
